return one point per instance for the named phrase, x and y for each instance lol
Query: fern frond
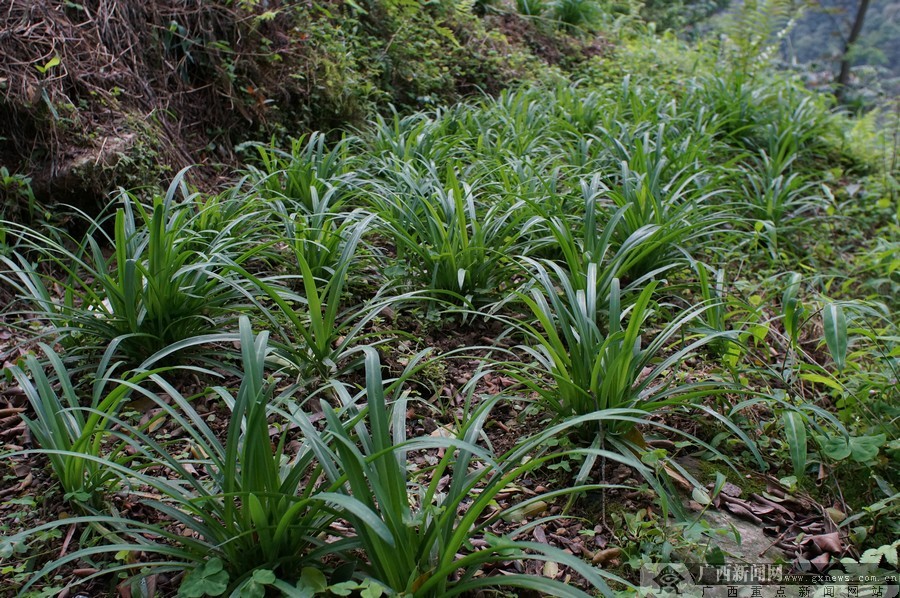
(755, 29)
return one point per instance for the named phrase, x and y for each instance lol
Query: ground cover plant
(164, 283)
(527, 342)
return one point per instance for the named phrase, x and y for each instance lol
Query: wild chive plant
(457, 247)
(580, 244)
(530, 8)
(677, 202)
(516, 124)
(715, 318)
(248, 504)
(614, 185)
(778, 199)
(594, 369)
(163, 283)
(765, 113)
(261, 510)
(316, 332)
(318, 233)
(576, 15)
(235, 213)
(309, 167)
(612, 373)
(416, 527)
(73, 428)
(580, 108)
(410, 139)
(253, 506)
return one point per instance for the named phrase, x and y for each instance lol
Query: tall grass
(564, 212)
(417, 526)
(600, 363)
(316, 332)
(308, 170)
(452, 243)
(165, 281)
(245, 501)
(75, 431)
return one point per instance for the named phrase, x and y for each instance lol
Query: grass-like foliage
(599, 363)
(162, 284)
(576, 14)
(317, 234)
(777, 197)
(670, 266)
(531, 8)
(315, 339)
(456, 246)
(417, 525)
(73, 430)
(248, 504)
(579, 243)
(303, 174)
(259, 509)
(253, 506)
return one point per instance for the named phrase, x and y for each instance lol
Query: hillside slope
(94, 95)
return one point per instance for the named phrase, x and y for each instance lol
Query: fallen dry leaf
(601, 557)
(827, 542)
